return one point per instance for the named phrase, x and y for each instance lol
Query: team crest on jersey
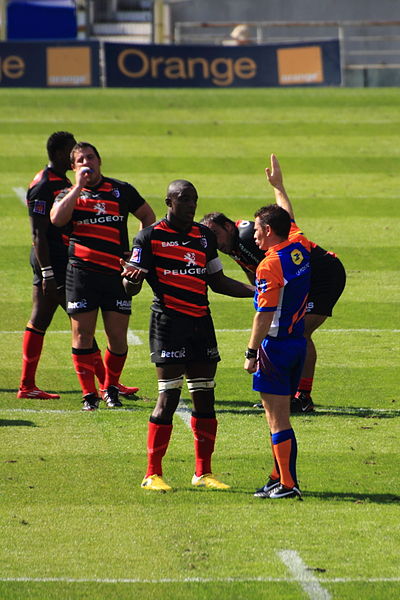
(297, 257)
(39, 207)
(116, 192)
(100, 207)
(190, 258)
(203, 242)
(136, 254)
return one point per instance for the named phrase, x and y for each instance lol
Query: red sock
(204, 431)
(84, 367)
(285, 452)
(158, 437)
(114, 363)
(32, 345)
(99, 369)
(305, 386)
(275, 469)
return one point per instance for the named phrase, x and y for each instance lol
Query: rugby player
(49, 257)
(97, 208)
(178, 258)
(328, 276)
(277, 347)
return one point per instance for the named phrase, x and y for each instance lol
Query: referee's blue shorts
(280, 362)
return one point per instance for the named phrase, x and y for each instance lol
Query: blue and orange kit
(282, 286)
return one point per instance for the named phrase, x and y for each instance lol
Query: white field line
(202, 122)
(20, 192)
(184, 412)
(195, 580)
(145, 331)
(62, 411)
(133, 339)
(302, 574)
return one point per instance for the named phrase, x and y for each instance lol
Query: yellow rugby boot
(209, 481)
(155, 483)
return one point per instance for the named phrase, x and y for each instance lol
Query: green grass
(74, 521)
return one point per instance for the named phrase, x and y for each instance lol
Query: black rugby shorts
(59, 268)
(88, 290)
(182, 339)
(328, 279)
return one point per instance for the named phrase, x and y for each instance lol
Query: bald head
(181, 201)
(180, 186)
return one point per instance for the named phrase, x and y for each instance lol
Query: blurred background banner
(41, 19)
(314, 63)
(52, 64)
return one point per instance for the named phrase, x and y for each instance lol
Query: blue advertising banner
(314, 63)
(49, 64)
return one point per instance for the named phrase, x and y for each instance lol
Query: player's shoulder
(41, 179)
(205, 233)
(123, 186)
(147, 232)
(116, 182)
(202, 228)
(245, 229)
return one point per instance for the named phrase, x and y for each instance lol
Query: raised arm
(275, 178)
(64, 205)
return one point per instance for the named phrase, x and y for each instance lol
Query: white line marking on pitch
(133, 340)
(184, 412)
(21, 193)
(195, 580)
(303, 576)
(145, 331)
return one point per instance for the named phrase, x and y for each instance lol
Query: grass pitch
(74, 521)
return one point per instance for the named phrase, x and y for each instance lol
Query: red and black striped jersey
(42, 191)
(99, 233)
(176, 266)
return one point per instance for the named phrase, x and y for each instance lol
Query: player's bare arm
(221, 284)
(39, 227)
(275, 178)
(64, 205)
(145, 214)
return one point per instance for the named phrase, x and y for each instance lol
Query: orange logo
(297, 66)
(68, 66)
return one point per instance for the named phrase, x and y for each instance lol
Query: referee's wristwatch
(250, 353)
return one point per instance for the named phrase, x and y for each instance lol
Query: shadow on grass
(16, 423)
(355, 411)
(15, 390)
(323, 411)
(357, 498)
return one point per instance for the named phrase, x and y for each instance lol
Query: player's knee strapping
(170, 384)
(200, 384)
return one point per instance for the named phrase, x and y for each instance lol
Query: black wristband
(250, 353)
